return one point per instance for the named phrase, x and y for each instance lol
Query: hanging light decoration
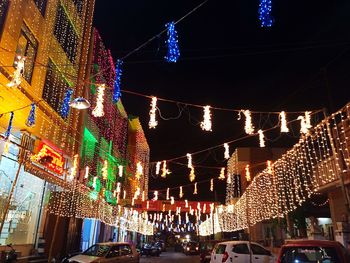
(249, 128)
(167, 194)
(265, 9)
(105, 170)
(65, 104)
(80, 103)
(222, 174)
(308, 119)
(120, 170)
(18, 73)
(9, 127)
(211, 185)
(74, 169)
(87, 169)
(181, 194)
(158, 168)
(229, 179)
(261, 138)
(165, 170)
(172, 201)
(119, 189)
(195, 189)
(192, 175)
(117, 82)
(98, 110)
(303, 126)
(139, 170)
(172, 44)
(152, 121)
(94, 182)
(143, 196)
(186, 203)
(269, 167)
(31, 117)
(206, 124)
(227, 151)
(189, 159)
(124, 194)
(283, 117)
(147, 205)
(247, 173)
(155, 197)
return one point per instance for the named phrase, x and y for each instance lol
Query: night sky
(227, 60)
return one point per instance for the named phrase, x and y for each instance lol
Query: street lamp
(80, 103)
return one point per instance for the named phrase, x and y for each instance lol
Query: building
(43, 64)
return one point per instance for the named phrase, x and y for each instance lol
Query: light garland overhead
(222, 174)
(31, 117)
(74, 169)
(247, 173)
(227, 151)
(165, 170)
(119, 188)
(172, 44)
(98, 111)
(167, 194)
(120, 170)
(265, 9)
(105, 170)
(284, 127)
(87, 170)
(153, 122)
(18, 73)
(211, 185)
(308, 119)
(139, 170)
(192, 175)
(206, 124)
(303, 126)
(189, 159)
(248, 127)
(9, 126)
(117, 82)
(155, 197)
(158, 167)
(195, 189)
(181, 194)
(172, 201)
(65, 104)
(261, 138)
(269, 167)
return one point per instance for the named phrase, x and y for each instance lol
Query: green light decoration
(93, 195)
(88, 147)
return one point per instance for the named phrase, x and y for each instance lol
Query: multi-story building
(43, 65)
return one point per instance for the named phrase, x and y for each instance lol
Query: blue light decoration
(265, 17)
(9, 127)
(31, 117)
(117, 82)
(65, 105)
(172, 43)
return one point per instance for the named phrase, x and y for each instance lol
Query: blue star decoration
(265, 9)
(172, 43)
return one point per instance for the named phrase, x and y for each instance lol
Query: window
(41, 5)
(220, 249)
(310, 254)
(258, 250)
(27, 47)
(240, 249)
(114, 252)
(55, 87)
(4, 4)
(125, 250)
(65, 34)
(97, 250)
(79, 4)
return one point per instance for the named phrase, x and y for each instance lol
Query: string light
(105, 170)
(74, 169)
(211, 185)
(265, 17)
(222, 174)
(152, 122)
(119, 188)
(167, 194)
(181, 193)
(65, 105)
(139, 170)
(303, 126)
(172, 44)
(192, 175)
(172, 201)
(165, 171)
(206, 124)
(308, 119)
(249, 128)
(189, 159)
(31, 117)
(269, 167)
(158, 167)
(195, 189)
(147, 205)
(94, 182)
(155, 197)
(143, 196)
(120, 170)
(18, 73)
(124, 194)
(227, 151)
(87, 169)
(117, 82)
(98, 110)
(247, 173)
(9, 127)
(186, 203)
(261, 138)
(284, 127)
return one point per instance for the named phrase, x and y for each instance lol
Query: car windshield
(310, 255)
(97, 250)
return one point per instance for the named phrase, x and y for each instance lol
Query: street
(169, 257)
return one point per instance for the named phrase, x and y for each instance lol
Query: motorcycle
(9, 256)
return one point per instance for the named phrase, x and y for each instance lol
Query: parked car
(313, 251)
(205, 249)
(150, 250)
(107, 252)
(191, 248)
(240, 252)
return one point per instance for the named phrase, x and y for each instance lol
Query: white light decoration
(98, 110)
(143, 196)
(261, 138)
(172, 201)
(124, 194)
(247, 173)
(155, 197)
(192, 175)
(249, 128)
(227, 151)
(74, 169)
(137, 193)
(152, 122)
(189, 161)
(229, 179)
(303, 126)
(283, 117)
(308, 119)
(158, 168)
(167, 194)
(139, 170)
(147, 205)
(120, 170)
(211, 185)
(186, 203)
(165, 170)
(206, 124)
(119, 188)
(94, 182)
(105, 170)
(222, 174)
(269, 167)
(195, 189)
(181, 194)
(18, 73)
(86, 172)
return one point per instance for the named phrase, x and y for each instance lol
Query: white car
(240, 252)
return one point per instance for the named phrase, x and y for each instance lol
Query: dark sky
(227, 60)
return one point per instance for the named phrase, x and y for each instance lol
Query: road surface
(171, 257)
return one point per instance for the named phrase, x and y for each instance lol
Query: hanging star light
(192, 175)
(195, 189)
(139, 170)
(265, 9)
(120, 170)
(117, 82)
(172, 44)
(31, 117)
(152, 121)
(247, 173)
(211, 185)
(18, 73)
(167, 194)
(98, 110)
(155, 197)
(261, 138)
(206, 124)
(158, 168)
(105, 170)
(227, 151)
(165, 171)
(283, 117)
(222, 174)
(65, 104)
(87, 169)
(181, 194)
(248, 127)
